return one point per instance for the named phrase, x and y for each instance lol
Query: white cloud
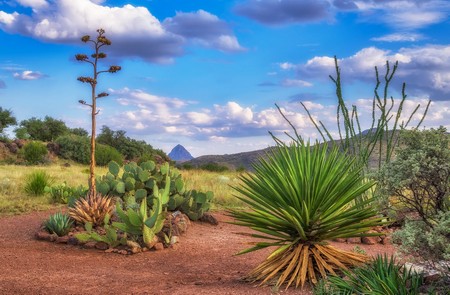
(29, 75)
(399, 37)
(134, 31)
(295, 83)
(286, 66)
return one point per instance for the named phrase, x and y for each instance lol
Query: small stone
(90, 245)
(123, 252)
(53, 237)
(63, 239)
(144, 249)
(386, 240)
(174, 247)
(109, 250)
(355, 240)
(135, 250)
(72, 241)
(43, 235)
(159, 246)
(370, 240)
(340, 240)
(209, 218)
(101, 245)
(174, 240)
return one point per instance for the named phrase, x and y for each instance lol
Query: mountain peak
(180, 154)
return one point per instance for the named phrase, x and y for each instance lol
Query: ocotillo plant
(98, 43)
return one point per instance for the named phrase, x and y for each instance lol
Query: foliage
(419, 178)
(110, 237)
(59, 224)
(36, 182)
(65, 194)
(302, 196)
(34, 152)
(382, 276)
(44, 130)
(131, 149)
(138, 181)
(6, 119)
(92, 208)
(429, 244)
(100, 41)
(78, 131)
(213, 167)
(105, 154)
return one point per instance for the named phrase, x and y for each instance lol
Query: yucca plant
(383, 276)
(92, 208)
(301, 196)
(58, 223)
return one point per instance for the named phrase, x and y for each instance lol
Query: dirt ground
(202, 263)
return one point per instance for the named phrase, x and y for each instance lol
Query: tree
(44, 130)
(78, 131)
(419, 177)
(6, 119)
(98, 43)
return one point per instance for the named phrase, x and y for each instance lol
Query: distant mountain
(233, 161)
(180, 154)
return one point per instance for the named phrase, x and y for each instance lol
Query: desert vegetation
(300, 196)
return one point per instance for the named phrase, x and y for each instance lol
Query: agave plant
(58, 224)
(301, 196)
(382, 276)
(92, 208)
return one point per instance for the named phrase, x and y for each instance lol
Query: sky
(207, 73)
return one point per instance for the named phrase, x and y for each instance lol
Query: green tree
(98, 43)
(419, 177)
(44, 130)
(6, 119)
(78, 131)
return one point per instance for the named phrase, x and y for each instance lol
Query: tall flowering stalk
(98, 43)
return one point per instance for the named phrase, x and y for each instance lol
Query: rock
(109, 250)
(63, 239)
(209, 218)
(43, 235)
(355, 240)
(123, 252)
(174, 240)
(72, 241)
(370, 240)
(20, 142)
(153, 242)
(340, 240)
(136, 250)
(90, 245)
(180, 223)
(158, 246)
(53, 237)
(144, 249)
(386, 240)
(101, 245)
(12, 146)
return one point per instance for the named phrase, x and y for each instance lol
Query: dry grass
(14, 199)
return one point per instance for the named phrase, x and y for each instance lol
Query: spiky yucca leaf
(301, 196)
(92, 208)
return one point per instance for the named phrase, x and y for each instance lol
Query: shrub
(213, 167)
(36, 182)
(381, 276)
(74, 147)
(92, 208)
(301, 196)
(65, 194)
(59, 224)
(429, 244)
(105, 154)
(34, 152)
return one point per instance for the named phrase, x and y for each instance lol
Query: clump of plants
(34, 152)
(36, 182)
(59, 224)
(92, 208)
(301, 196)
(381, 276)
(65, 194)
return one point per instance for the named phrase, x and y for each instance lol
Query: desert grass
(14, 199)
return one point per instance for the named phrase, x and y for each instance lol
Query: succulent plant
(58, 223)
(111, 238)
(92, 208)
(196, 204)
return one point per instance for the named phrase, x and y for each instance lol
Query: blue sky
(207, 73)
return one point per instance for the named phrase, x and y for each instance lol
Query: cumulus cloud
(135, 32)
(29, 75)
(204, 28)
(277, 12)
(422, 68)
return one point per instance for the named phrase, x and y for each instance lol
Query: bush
(74, 147)
(36, 182)
(34, 152)
(105, 154)
(213, 167)
(59, 224)
(381, 276)
(65, 194)
(429, 244)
